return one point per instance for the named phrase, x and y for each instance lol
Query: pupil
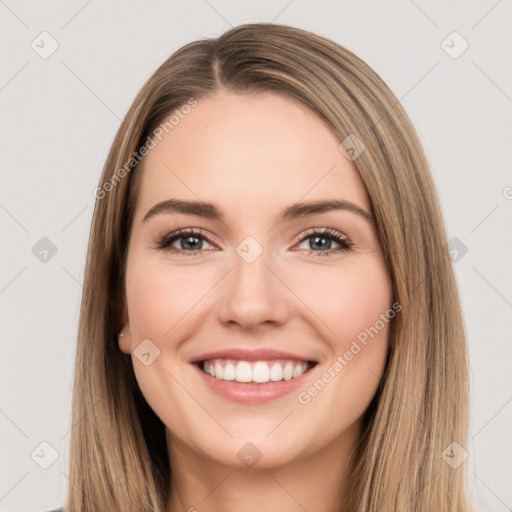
(317, 238)
(186, 245)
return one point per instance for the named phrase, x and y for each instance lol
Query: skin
(253, 155)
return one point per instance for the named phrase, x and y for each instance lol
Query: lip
(244, 354)
(245, 392)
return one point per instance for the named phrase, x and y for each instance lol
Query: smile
(259, 372)
(254, 375)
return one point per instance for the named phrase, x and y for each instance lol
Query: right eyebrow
(200, 208)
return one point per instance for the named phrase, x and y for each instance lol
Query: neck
(315, 481)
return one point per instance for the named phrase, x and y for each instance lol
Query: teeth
(229, 372)
(276, 372)
(243, 372)
(259, 372)
(297, 370)
(219, 371)
(288, 371)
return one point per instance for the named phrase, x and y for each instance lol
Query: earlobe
(123, 336)
(124, 340)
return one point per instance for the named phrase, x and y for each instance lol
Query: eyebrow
(294, 211)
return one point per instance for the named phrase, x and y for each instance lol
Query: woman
(270, 319)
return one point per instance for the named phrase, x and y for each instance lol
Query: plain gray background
(60, 112)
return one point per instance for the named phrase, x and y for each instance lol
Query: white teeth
(243, 372)
(259, 372)
(276, 372)
(288, 371)
(219, 371)
(298, 369)
(229, 372)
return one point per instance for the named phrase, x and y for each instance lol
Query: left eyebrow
(294, 211)
(298, 210)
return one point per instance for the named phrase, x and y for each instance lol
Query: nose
(253, 295)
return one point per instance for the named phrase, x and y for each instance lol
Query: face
(291, 311)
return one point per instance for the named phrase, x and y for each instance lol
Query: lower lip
(246, 392)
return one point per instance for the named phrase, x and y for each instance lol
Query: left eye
(323, 239)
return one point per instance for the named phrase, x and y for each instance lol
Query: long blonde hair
(118, 454)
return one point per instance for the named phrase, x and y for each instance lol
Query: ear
(124, 335)
(125, 339)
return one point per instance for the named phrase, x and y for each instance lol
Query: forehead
(247, 151)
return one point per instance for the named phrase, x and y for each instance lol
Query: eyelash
(346, 245)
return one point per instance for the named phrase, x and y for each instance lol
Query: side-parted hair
(118, 453)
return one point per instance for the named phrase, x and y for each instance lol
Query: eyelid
(344, 242)
(177, 233)
(324, 231)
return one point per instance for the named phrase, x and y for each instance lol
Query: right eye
(190, 241)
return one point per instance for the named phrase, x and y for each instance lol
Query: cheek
(356, 306)
(353, 309)
(161, 297)
(348, 299)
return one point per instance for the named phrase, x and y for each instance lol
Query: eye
(189, 240)
(322, 239)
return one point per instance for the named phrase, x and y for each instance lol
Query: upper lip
(245, 354)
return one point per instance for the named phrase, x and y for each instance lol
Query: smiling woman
(270, 320)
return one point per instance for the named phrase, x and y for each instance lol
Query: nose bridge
(253, 294)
